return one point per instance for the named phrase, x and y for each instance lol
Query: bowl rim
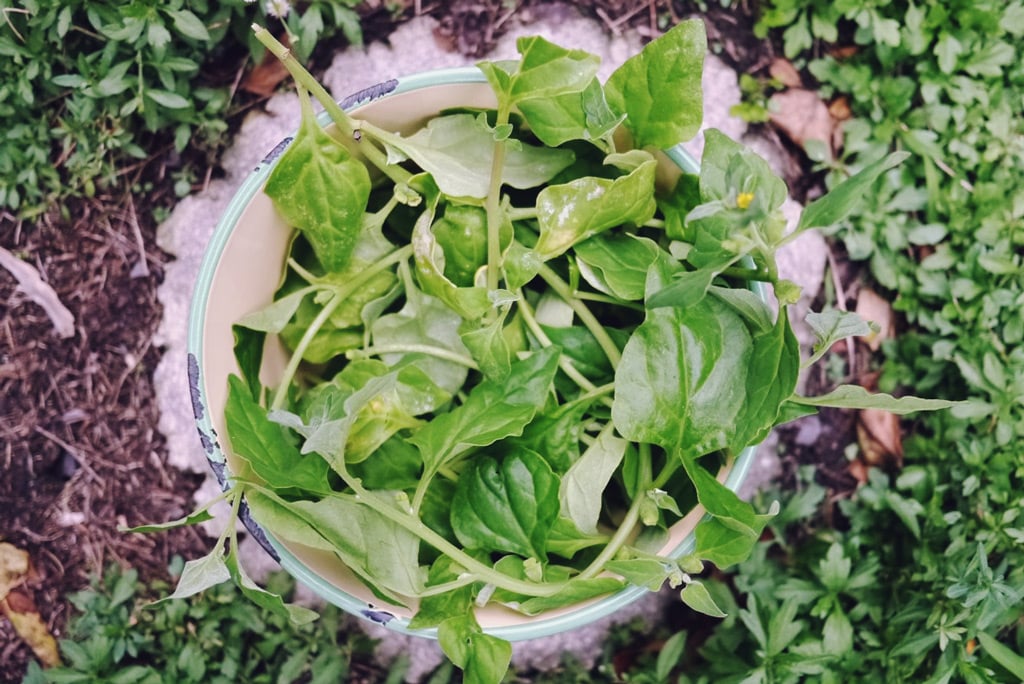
(535, 627)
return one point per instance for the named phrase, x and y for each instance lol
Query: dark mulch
(80, 453)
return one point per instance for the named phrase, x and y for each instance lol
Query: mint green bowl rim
(537, 627)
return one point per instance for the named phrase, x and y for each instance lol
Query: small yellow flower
(744, 199)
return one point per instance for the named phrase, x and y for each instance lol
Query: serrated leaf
(856, 397)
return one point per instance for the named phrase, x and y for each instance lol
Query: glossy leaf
(658, 114)
(583, 208)
(322, 190)
(493, 410)
(266, 447)
(681, 380)
(506, 504)
(617, 264)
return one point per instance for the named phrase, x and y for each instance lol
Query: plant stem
(340, 295)
(586, 316)
(493, 206)
(608, 299)
(748, 274)
(437, 352)
(563, 362)
(522, 213)
(478, 570)
(338, 115)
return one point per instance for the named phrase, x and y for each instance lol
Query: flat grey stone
(411, 48)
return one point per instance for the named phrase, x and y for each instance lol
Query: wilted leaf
(783, 71)
(802, 116)
(39, 292)
(878, 433)
(872, 307)
(19, 607)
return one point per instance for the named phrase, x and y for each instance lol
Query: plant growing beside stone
(516, 360)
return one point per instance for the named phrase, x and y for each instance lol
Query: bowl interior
(242, 270)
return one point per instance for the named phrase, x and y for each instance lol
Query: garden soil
(80, 452)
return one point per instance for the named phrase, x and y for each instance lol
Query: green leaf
(295, 614)
(582, 488)
(484, 659)
(578, 210)
(322, 190)
(488, 345)
(696, 596)
(248, 351)
(423, 320)
(642, 572)
(617, 264)
(856, 397)
(196, 517)
(681, 380)
(381, 551)
(275, 316)
(659, 90)
(506, 504)
(457, 151)
(167, 99)
(837, 634)
(493, 410)
(834, 325)
(670, 655)
(188, 24)
(573, 593)
(266, 447)
(833, 207)
(581, 115)
(468, 302)
(1002, 654)
(436, 608)
(201, 574)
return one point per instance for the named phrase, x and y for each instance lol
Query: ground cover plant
(918, 575)
(475, 375)
(90, 88)
(119, 634)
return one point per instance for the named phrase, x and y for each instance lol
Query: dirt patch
(81, 454)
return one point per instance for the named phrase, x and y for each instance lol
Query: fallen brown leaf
(872, 307)
(878, 434)
(783, 71)
(18, 606)
(839, 108)
(265, 77)
(21, 610)
(14, 567)
(802, 116)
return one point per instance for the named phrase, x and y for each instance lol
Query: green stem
(303, 273)
(493, 206)
(522, 214)
(608, 299)
(586, 316)
(748, 274)
(340, 295)
(654, 223)
(338, 115)
(478, 570)
(564, 363)
(437, 352)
